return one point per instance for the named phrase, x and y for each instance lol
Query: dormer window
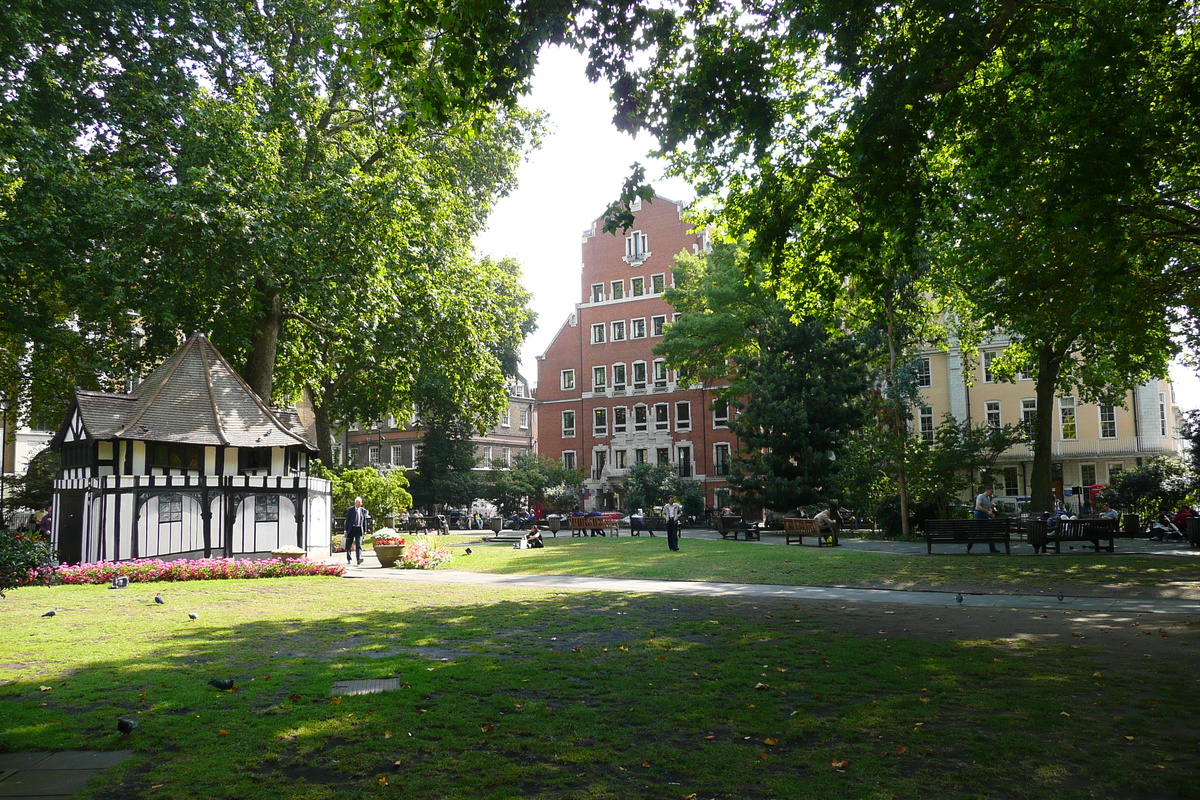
(637, 248)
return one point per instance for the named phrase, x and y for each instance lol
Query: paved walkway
(25, 776)
(371, 569)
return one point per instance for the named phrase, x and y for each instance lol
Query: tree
(799, 386)
(299, 198)
(1160, 484)
(383, 495)
(445, 467)
(531, 480)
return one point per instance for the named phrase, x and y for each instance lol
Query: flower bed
(419, 555)
(206, 569)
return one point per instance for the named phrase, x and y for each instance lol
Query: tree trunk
(260, 363)
(324, 433)
(1049, 363)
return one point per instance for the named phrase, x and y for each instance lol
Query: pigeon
(468, 551)
(50, 613)
(1060, 597)
(125, 725)
(958, 597)
(193, 616)
(158, 599)
(223, 684)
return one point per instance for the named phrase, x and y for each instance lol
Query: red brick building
(605, 402)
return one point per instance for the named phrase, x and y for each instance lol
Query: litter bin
(1131, 526)
(496, 524)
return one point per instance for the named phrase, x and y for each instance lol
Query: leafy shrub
(25, 559)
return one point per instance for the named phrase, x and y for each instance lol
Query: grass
(728, 561)
(549, 694)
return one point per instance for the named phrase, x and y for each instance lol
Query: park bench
(584, 526)
(968, 531)
(649, 524)
(426, 524)
(795, 529)
(1072, 530)
(729, 527)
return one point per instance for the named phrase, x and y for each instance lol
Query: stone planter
(289, 553)
(389, 554)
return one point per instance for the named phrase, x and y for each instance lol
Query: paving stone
(85, 759)
(47, 782)
(22, 760)
(366, 687)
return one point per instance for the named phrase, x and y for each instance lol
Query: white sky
(569, 182)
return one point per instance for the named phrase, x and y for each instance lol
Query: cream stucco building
(1091, 443)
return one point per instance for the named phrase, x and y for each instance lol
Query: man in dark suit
(356, 525)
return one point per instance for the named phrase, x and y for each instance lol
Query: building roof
(194, 397)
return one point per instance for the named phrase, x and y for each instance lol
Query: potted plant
(388, 548)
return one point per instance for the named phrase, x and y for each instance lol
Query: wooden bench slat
(1072, 530)
(968, 531)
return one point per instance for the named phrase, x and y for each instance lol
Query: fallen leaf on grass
(646, 764)
(763, 755)
(44, 688)
(840, 763)
(383, 780)
(487, 728)
(770, 741)
(295, 698)
(761, 686)
(901, 749)
(387, 734)
(223, 732)
(1063, 714)
(336, 701)
(709, 738)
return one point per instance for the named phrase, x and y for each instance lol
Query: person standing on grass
(356, 524)
(985, 508)
(673, 512)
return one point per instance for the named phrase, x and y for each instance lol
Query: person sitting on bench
(828, 522)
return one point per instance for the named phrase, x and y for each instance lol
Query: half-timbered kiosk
(191, 463)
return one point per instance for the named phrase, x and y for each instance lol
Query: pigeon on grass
(193, 616)
(159, 599)
(50, 613)
(126, 725)
(224, 684)
(958, 597)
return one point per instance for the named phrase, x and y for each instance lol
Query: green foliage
(383, 494)
(444, 474)
(35, 489)
(532, 480)
(1161, 483)
(23, 555)
(649, 485)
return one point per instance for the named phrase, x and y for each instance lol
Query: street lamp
(3, 454)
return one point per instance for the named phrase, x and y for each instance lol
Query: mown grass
(751, 562)
(548, 694)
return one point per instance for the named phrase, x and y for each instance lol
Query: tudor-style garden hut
(191, 463)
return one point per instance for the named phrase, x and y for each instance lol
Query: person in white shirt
(673, 512)
(829, 523)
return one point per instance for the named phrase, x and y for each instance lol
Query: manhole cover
(366, 687)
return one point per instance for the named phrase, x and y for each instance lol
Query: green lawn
(720, 560)
(553, 694)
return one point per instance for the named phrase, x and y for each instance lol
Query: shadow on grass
(552, 694)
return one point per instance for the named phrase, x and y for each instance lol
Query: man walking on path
(985, 509)
(356, 523)
(672, 511)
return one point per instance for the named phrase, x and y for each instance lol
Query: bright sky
(569, 182)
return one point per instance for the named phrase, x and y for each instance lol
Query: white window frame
(525, 418)
(373, 454)
(1029, 415)
(637, 328)
(683, 422)
(617, 290)
(640, 455)
(662, 417)
(986, 358)
(618, 330)
(637, 247)
(568, 424)
(925, 423)
(1084, 483)
(506, 456)
(720, 418)
(639, 382)
(658, 324)
(506, 418)
(597, 292)
(416, 454)
(1068, 419)
(600, 421)
(660, 373)
(599, 378)
(992, 416)
(598, 333)
(1109, 411)
(637, 287)
(1162, 413)
(620, 460)
(644, 424)
(397, 454)
(569, 459)
(1114, 469)
(566, 380)
(658, 283)
(924, 372)
(620, 376)
(620, 420)
(722, 463)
